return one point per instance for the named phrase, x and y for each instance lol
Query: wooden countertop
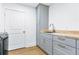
(74, 34)
(67, 34)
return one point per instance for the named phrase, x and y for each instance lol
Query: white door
(14, 25)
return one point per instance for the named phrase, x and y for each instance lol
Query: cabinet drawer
(58, 52)
(47, 35)
(66, 49)
(66, 40)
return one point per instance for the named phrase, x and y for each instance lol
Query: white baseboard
(30, 45)
(27, 45)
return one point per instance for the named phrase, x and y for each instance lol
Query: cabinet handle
(62, 46)
(24, 32)
(43, 40)
(61, 39)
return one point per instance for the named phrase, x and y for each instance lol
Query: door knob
(24, 32)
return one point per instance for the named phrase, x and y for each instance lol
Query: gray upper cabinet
(42, 13)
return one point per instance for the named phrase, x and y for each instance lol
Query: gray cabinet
(42, 13)
(77, 51)
(58, 52)
(46, 43)
(77, 47)
(64, 45)
(64, 49)
(60, 45)
(41, 41)
(65, 40)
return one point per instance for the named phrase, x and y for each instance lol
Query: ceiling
(34, 4)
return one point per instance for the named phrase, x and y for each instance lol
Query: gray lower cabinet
(41, 41)
(77, 51)
(46, 43)
(77, 47)
(65, 40)
(57, 52)
(59, 45)
(63, 49)
(64, 45)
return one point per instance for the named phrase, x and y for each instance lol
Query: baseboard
(30, 45)
(26, 46)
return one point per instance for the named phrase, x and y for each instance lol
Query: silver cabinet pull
(62, 46)
(24, 32)
(44, 41)
(61, 39)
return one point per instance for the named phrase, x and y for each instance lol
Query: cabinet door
(43, 16)
(47, 43)
(78, 44)
(77, 51)
(77, 47)
(42, 40)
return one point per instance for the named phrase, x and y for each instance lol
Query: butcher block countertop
(73, 34)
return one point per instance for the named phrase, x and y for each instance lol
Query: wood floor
(27, 51)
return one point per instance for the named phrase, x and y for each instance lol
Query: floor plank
(27, 51)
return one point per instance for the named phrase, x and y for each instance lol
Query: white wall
(1, 19)
(30, 22)
(64, 16)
